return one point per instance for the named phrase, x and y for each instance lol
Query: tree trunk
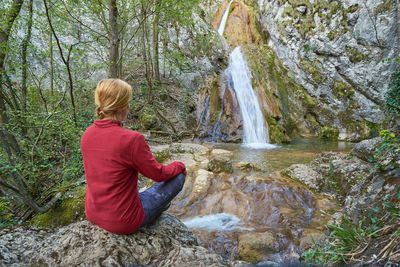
(4, 34)
(155, 41)
(113, 38)
(146, 58)
(51, 64)
(25, 43)
(65, 61)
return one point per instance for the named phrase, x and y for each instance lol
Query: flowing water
(257, 201)
(255, 132)
(222, 24)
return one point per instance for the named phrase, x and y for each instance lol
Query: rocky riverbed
(232, 210)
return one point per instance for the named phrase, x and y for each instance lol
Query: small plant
(393, 95)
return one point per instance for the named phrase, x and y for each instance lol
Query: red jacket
(112, 157)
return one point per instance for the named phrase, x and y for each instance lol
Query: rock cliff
(320, 68)
(337, 51)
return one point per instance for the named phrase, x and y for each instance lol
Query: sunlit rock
(202, 182)
(254, 246)
(310, 237)
(220, 165)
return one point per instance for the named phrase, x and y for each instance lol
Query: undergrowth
(377, 234)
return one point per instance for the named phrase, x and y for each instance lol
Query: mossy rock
(355, 56)
(220, 165)
(329, 132)
(310, 68)
(149, 121)
(384, 7)
(163, 155)
(69, 210)
(277, 134)
(342, 90)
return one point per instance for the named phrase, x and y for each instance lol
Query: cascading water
(255, 133)
(224, 18)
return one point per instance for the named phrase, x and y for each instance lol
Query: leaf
(376, 209)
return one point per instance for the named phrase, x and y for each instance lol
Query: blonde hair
(111, 96)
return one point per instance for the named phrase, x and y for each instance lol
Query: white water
(255, 133)
(221, 27)
(219, 221)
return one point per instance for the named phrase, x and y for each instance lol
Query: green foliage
(386, 149)
(68, 210)
(163, 155)
(6, 216)
(392, 96)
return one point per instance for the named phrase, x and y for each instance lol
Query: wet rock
(253, 247)
(221, 152)
(365, 149)
(167, 242)
(247, 166)
(309, 238)
(217, 166)
(202, 182)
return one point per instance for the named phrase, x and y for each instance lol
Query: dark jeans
(157, 198)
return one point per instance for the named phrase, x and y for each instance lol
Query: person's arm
(144, 162)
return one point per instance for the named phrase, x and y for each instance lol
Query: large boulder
(331, 173)
(365, 149)
(167, 242)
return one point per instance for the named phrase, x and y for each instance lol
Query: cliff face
(337, 52)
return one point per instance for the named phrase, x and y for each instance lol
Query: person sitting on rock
(113, 157)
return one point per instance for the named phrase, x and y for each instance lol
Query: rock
(217, 166)
(305, 174)
(202, 182)
(301, 9)
(253, 246)
(330, 173)
(365, 149)
(335, 56)
(221, 152)
(309, 238)
(395, 258)
(167, 242)
(247, 166)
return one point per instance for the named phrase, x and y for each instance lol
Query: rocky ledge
(167, 242)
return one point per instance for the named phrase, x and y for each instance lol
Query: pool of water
(241, 202)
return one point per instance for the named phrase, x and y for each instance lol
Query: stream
(255, 198)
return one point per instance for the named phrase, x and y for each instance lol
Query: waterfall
(224, 18)
(255, 133)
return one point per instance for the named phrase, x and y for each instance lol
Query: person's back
(112, 158)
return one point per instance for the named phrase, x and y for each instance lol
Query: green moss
(310, 68)
(277, 134)
(148, 120)
(217, 166)
(329, 132)
(163, 155)
(384, 7)
(309, 101)
(342, 90)
(70, 209)
(353, 8)
(306, 25)
(355, 56)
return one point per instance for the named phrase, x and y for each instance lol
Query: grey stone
(167, 242)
